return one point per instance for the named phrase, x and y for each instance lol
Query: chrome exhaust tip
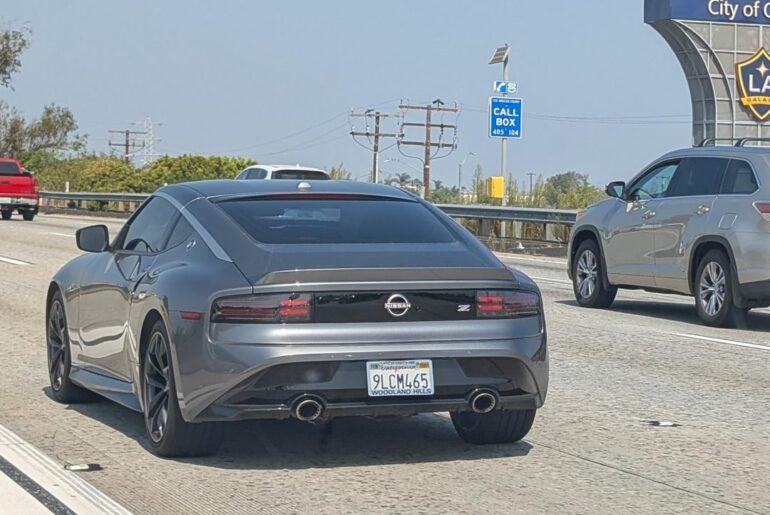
(483, 401)
(307, 408)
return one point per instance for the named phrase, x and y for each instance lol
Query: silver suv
(695, 222)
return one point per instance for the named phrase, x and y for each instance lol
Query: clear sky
(242, 77)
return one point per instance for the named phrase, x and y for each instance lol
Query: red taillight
(763, 208)
(507, 304)
(275, 308)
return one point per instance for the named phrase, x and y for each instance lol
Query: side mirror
(94, 238)
(616, 189)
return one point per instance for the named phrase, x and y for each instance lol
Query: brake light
(271, 308)
(763, 208)
(506, 304)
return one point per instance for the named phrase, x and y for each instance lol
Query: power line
(129, 143)
(377, 134)
(437, 106)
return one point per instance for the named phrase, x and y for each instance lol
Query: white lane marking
(62, 234)
(11, 261)
(719, 340)
(17, 500)
(531, 258)
(72, 491)
(549, 280)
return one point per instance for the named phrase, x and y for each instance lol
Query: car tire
(63, 390)
(169, 434)
(28, 216)
(6, 215)
(500, 426)
(714, 296)
(587, 278)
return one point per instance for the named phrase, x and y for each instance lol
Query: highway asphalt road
(598, 446)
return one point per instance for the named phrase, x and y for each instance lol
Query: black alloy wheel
(59, 359)
(156, 386)
(170, 435)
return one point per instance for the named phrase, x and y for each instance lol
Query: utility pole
(129, 142)
(437, 106)
(531, 174)
(377, 134)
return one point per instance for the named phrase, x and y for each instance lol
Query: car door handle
(649, 214)
(702, 210)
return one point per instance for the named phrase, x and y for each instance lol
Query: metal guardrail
(474, 212)
(511, 214)
(94, 197)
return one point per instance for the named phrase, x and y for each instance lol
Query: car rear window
(303, 175)
(335, 221)
(740, 179)
(9, 169)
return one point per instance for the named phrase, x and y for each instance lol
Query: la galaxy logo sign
(753, 78)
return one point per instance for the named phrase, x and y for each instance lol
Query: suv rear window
(335, 221)
(739, 179)
(8, 168)
(303, 175)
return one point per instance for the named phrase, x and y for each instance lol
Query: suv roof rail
(739, 142)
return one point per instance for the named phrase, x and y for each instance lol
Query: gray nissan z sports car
(231, 300)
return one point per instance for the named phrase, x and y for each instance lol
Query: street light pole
(460, 170)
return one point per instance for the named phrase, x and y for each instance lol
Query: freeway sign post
(505, 117)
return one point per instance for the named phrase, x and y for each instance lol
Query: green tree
(53, 132)
(339, 173)
(445, 196)
(479, 187)
(12, 44)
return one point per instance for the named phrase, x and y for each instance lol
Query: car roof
(229, 189)
(273, 168)
(8, 160)
(720, 150)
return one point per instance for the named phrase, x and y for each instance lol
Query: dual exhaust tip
(309, 408)
(483, 400)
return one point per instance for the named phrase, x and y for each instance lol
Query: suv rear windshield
(7, 168)
(335, 221)
(303, 175)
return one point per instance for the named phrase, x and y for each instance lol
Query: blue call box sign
(505, 117)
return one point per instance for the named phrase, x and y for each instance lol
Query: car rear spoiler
(368, 275)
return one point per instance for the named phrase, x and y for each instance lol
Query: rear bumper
(237, 382)
(9, 202)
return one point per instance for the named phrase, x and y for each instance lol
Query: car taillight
(270, 308)
(763, 208)
(506, 304)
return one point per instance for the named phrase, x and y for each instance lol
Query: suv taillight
(763, 208)
(270, 308)
(506, 304)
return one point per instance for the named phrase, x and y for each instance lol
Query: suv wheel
(587, 277)
(28, 216)
(170, 435)
(6, 215)
(714, 299)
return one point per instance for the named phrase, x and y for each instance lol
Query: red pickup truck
(18, 190)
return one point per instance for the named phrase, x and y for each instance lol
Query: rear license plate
(400, 378)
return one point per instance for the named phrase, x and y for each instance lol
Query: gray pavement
(593, 449)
